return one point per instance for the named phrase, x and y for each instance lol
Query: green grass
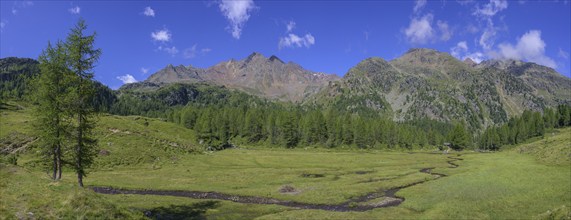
(127, 140)
(14, 118)
(29, 194)
(532, 180)
(135, 140)
(496, 186)
(554, 148)
(264, 172)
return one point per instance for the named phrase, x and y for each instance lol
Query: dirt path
(363, 203)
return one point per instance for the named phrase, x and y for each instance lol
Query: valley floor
(495, 185)
(148, 156)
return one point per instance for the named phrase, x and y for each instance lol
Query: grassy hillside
(122, 140)
(554, 148)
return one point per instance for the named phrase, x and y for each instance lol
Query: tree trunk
(78, 167)
(57, 156)
(59, 166)
(80, 179)
(78, 155)
(55, 164)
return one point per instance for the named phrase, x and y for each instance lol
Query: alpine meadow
(243, 109)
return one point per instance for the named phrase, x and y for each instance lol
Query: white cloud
(193, 52)
(75, 10)
(492, 8)
(190, 53)
(419, 5)
(3, 24)
(563, 54)
(464, 2)
(292, 40)
(149, 12)
(460, 48)
(488, 37)
(27, 3)
(420, 30)
(290, 26)
(489, 31)
(170, 50)
(477, 57)
(445, 32)
(460, 51)
(530, 47)
(21, 5)
(144, 70)
(163, 35)
(472, 29)
(237, 13)
(128, 78)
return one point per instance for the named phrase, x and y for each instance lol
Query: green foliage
(17, 83)
(67, 102)
(164, 101)
(528, 125)
(564, 115)
(219, 126)
(289, 130)
(12, 159)
(459, 137)
(81, 58)
(53, 112)
(16, 75)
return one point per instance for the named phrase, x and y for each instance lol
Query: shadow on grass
(194, 211)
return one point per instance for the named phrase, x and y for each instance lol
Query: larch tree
(51, 118)
(289, 130)
(82, 57)
(459, 137)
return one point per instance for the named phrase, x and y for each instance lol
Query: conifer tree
(51, 94)
(459, 137)
(290, 134)
(564, 115)
(82, 57)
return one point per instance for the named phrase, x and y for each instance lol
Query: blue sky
(139, 38)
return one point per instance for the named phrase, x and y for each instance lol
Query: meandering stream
(362, 203)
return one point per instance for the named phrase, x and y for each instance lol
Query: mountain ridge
(426, 83)
(422, 83)
(267, 77)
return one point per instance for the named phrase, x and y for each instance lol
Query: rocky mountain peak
(424, 55)
(275, 58)
(255, 56)
(430, 62)
(501, 63)
(469, 62)
(421, 51)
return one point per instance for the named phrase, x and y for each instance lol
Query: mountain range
(256, 74)
(422, 83)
